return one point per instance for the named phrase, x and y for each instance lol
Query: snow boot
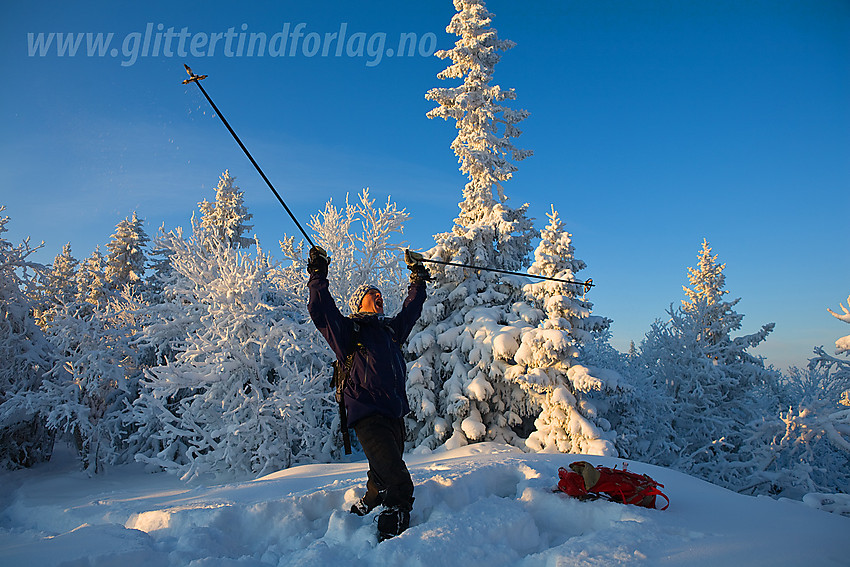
(360, 507)
(392, 521)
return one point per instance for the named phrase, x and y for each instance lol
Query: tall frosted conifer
(717, 387)
(468, 333)
(486, 231)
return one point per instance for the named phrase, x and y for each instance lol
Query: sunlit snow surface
(485, 504)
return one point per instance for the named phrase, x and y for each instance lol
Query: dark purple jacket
(379, 373)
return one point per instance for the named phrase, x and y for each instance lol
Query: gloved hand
(413, 259)
(418, 271)
(318, 261)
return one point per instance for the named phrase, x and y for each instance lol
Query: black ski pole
(587, 284)
(193, 78)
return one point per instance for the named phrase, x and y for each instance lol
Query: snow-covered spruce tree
(225, 219)
(813, 450)
(62, 277)
(91, 282)
(88, 390)
(243, 394)
(806, 450)
(58, 286)
(838, 371)
(125, 262)
(172, 315)
(25, 354)
(159, 269)
(467, 332)
(171, 310)
(244, 388)
(638, 410)
(546, 361)
(92, 328)
(717, 388)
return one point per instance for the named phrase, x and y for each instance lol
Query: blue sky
(654, 124)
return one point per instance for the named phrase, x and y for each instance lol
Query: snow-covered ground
(484, 504)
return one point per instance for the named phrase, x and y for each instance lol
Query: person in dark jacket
(374, 395)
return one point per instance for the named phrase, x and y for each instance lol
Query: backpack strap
(342, 370)
(653, 491)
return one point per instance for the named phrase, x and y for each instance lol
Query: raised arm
(410, 311)
(412, 308)
(336, 328)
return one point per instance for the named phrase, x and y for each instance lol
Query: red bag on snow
(587, 482)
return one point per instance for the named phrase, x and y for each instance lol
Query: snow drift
(486, 504)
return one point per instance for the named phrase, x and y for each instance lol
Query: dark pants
(389, 482)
